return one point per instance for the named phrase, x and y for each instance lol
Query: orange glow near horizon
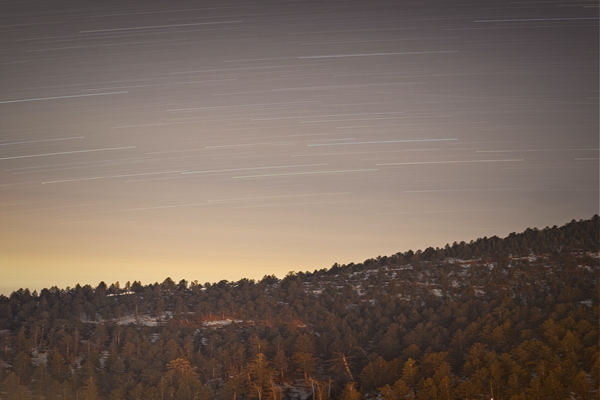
(138, 142)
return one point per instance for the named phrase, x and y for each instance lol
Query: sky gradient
(222, 140)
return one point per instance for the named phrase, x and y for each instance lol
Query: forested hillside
(513, 318)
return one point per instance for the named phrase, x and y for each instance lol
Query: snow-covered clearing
(221, 322)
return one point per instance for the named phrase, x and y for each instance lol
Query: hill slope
(512, 318)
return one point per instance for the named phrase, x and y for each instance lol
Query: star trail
(221, 140)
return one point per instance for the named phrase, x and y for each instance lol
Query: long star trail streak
(305, 173)
(471, 190)
(226, 146)
(223, 141)
(72, 96)
(159, 26)
(535, 19)
(275, 197)
(531, 150)
(323, 116)
(251, 168)
(295, 204)
(111, 176)
(93, 46)
(40, 141)
(155, 85)
(165, 207)
(380, 142)
(449, 211)
(379, 54)
(66, 152)
(448, 162)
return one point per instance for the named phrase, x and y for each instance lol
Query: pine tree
(90, 390)
(350, 392)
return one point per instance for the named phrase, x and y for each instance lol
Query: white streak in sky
(85, 164)
(61, 97)
(262, 59)
(323, 116)
(164, 11)
(470, 190)
(222, 146)
(513, 27)
(306, 173)
(379, 54)
(274, 197)
(297, 204)
(359, 152)
(163, 84)
(156, 179)
(162, 207)
(41, 140)
(365, 119)
(101, 45)
(220, 70)
(251, 168)
(366, 41)
(447, 211)
(176, 151)
(327, 87)
(535, 19)
(380, 142)
(159, 26)
(33, 24)
(242, 105)
(157, 124)
(530, 150)
(446, 162)
(67, 152)
(111, 176)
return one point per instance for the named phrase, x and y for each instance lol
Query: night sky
(216, 140)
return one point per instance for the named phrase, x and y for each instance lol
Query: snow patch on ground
(154, 337)
(298, 391)
(221, 322)
(366, 273)
(103, 358)
(119, 294)
(144, 320)
(39, 358)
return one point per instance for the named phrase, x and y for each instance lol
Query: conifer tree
(90, 390)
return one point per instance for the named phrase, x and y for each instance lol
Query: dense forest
(510, 318)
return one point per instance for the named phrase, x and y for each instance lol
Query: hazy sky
(215, 140)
